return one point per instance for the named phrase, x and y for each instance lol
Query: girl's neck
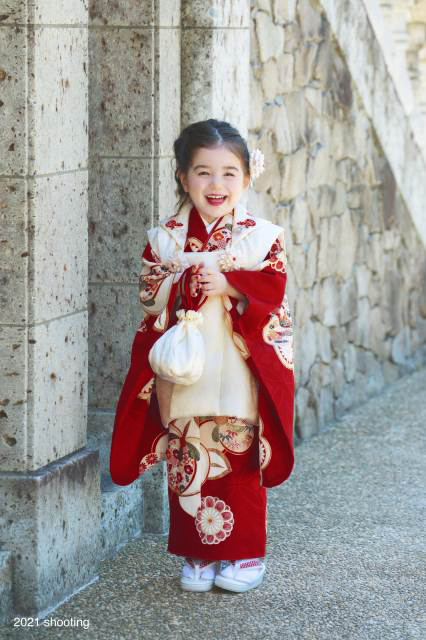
(210, 219)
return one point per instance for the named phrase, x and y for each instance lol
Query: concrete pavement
(346, 555)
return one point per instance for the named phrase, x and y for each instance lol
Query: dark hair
(209, 134)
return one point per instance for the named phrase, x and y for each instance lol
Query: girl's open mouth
(215, 201)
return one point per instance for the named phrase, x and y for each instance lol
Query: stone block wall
(406, 24)
(49, 479)
(134, 116)
(357, 265)
(215, 61)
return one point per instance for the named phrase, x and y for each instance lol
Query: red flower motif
(149, 461)
(247, 223)
(172, 224)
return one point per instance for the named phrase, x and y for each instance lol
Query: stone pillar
(134, 108)
(216, 61)
(49, 480)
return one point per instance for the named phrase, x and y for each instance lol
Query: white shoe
(240, 575)
(198, 575)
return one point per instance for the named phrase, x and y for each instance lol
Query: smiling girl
(228, 436)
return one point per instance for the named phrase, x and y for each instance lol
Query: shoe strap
(243, 564)
(200, 565)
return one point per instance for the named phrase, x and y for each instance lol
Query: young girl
(228, 436)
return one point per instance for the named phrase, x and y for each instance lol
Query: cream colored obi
(226, 387)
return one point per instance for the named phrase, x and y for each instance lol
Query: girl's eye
(227, 174)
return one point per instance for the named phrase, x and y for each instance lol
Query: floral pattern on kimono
(195, 450)
(214, 520)
(278, 332)
(265, 319)
(153, 276)
(146, 391)
(219, 239)
(277, 255)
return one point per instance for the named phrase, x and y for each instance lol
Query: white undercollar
(209, 225)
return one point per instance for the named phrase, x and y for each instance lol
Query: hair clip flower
(257, 164)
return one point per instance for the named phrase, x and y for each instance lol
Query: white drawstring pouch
(179, 355)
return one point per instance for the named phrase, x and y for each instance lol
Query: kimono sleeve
(155, 282)
(264, 288)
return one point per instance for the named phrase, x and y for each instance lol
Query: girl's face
(215, 172)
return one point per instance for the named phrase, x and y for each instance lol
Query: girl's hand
(194, 284)
(213, 283)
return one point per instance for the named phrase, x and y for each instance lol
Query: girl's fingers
(206, 279)
(208, 287)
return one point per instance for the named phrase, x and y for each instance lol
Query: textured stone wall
(406, 22)
(134, 115)
(43, 167)
(49, 479)
(357, 266)
(215, 61)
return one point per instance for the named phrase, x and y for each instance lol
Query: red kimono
(218, 465)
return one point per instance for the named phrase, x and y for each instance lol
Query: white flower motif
(257, 164)
(211, 521)
(228, 262)
(174, 266)
(176, 262)
(214, 520)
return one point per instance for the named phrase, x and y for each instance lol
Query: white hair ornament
(257, 164)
